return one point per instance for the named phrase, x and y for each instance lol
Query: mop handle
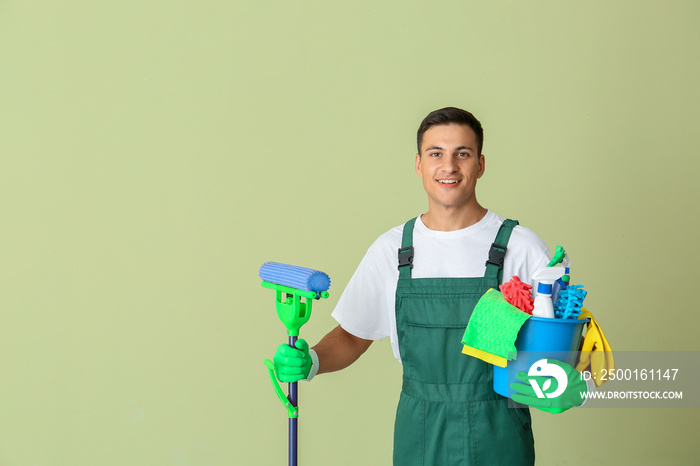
(293, 444)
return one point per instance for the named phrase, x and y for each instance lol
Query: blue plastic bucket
(540, 338)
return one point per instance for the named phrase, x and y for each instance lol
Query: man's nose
(449, 163)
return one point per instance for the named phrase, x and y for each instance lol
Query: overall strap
(406, 250)
(497, 253)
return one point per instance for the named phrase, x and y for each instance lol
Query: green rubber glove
(292, 364)
(552, 397)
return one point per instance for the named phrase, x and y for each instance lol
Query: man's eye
(463, 154)
(435, 154)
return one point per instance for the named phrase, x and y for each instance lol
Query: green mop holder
(292, 411)
(291, 311)
(293, 314)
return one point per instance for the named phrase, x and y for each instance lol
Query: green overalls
(448, 413)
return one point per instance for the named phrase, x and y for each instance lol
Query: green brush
(559, 255)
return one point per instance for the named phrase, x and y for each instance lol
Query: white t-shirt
(366, 308)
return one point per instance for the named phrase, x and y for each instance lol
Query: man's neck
(450, 219)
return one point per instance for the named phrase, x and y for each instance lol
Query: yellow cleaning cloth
(596, 350)
(484, 356)
(492, 329)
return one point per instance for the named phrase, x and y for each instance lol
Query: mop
(295, 283)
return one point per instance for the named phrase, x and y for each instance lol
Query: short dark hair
(448, 115)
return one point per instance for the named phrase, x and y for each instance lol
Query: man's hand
(292, 364)
(534, 385)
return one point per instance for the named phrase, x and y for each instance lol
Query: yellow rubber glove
(596, 351)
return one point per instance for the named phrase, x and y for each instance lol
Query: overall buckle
(496, 255)
(406, 256)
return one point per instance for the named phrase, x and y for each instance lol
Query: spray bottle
(543, 300)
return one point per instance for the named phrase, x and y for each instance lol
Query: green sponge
(493, 328)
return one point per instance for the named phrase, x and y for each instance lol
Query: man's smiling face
(450, 165)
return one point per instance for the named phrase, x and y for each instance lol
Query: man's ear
(418, 169)
(482, 166)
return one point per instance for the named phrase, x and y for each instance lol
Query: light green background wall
(154, 154)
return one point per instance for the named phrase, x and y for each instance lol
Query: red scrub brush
(518, 294)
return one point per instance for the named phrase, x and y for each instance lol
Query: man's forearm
(338, 349)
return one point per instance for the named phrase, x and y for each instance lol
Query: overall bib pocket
(436, 325)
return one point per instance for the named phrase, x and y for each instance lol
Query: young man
(418, 284)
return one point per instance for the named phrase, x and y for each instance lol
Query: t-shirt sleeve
(528, 254)
(362, 308)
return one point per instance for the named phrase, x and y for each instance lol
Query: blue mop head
(293, 276)
(568, 306)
